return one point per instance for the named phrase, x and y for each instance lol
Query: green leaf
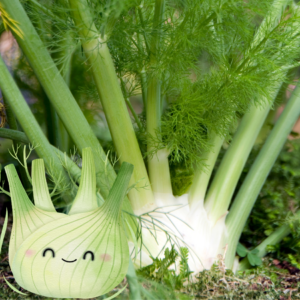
(241, 250)
(254, 260)
(254, 251)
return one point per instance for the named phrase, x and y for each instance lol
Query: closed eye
(48, 249)
(89, 252)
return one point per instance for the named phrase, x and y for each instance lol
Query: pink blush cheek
(105, 257)
(29, 252)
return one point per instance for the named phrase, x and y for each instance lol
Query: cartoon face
(29, 252)
(67, 258)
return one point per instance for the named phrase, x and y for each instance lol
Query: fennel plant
(208, 72)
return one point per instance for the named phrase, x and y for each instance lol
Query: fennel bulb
(84, 254)
(173, 221)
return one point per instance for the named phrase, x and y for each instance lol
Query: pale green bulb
(82, 255)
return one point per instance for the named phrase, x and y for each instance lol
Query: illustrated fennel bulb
(82, 254)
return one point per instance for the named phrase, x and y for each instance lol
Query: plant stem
(136, 118)
(202, 176)
(142, 73)
(62, 55)
(126, 98)
(51, 120)
(51, 117)
(12, 122)
(273, 239)
(222, 188)
(29, 124)
(14, 135)
(144, 88)
(258, 173)
(59, 94)
(109, 90)
(158, 163)
(140, 14)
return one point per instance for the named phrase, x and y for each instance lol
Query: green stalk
(144, 88)
(142, 73)
(59, 94)
(15, 135)
(12, 122)
(222, 188)
(259, 171)
(127, 100)
(51, 120)
(109, 90)
(29, 124)
(201, 178)
(62, 55)
(158, 163)
(274, 238)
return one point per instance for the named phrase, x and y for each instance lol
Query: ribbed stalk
(225, 181)
(113, 102)
(202, 175)
(59, 94)
(29, 124)
(158, 164)
(258, 173)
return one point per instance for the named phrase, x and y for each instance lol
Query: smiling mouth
(69, 261)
